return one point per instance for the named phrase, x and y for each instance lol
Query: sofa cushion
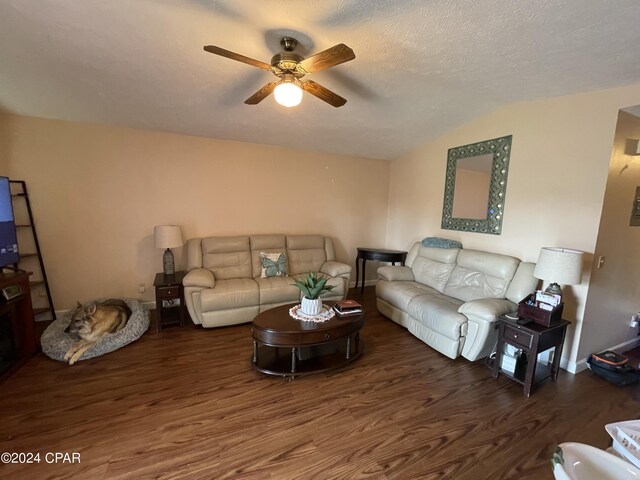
(306, 253)
(480, 275)
(277, 290)
(267, 242)
(441, 343)
(333, 268)
(439, 313)
(230, 293)
(432, 266)
(395, 272)
(227, 257)
(493, 264)
(442, 255)
(399, 294)
(523, 282)
(431, 273)
(193, 250)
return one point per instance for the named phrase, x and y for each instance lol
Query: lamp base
(554, 289)
(167, 262)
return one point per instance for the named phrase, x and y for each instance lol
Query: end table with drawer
(169, 299)
(532, 339)
(379, 255)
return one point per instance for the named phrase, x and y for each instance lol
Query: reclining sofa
(224, 283)
(450, 298)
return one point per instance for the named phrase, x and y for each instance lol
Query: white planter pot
(311, 307)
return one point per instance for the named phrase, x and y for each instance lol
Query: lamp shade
(167, 236)
(559, 265)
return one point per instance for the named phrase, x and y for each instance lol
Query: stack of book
(347, 307)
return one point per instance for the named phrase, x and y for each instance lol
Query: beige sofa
(223, 285)
(451, 298)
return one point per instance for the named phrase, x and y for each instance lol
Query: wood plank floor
(187, 404)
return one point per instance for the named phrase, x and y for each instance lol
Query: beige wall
(614, 291)
(98, 191)
(560, 157)
(5, 135)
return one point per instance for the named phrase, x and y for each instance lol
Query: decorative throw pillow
(437, 242)
(273, 264)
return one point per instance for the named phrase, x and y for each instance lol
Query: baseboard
(581, 365)
(573, 367)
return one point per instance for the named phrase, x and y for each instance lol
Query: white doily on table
(325, 314)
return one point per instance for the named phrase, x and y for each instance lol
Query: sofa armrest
(199, 277)
(391, 273)
(481, 332)
(487, 309)
(334, 269)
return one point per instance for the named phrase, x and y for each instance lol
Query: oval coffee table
(288, 347)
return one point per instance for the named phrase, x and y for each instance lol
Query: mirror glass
(471, 191)
(475, 186)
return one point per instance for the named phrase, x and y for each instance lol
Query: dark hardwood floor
(187, 404)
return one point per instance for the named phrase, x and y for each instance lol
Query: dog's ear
(91, 309)
(79, 304)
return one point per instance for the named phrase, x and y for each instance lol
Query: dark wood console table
(378, 254)
(532, 339)
(18, 342)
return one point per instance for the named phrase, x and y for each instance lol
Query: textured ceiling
(421, 68)
(635, 110)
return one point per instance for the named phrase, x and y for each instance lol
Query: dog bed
(55, 342)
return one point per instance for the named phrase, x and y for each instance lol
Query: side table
(169, 299)
(379, 254)
(532, 339)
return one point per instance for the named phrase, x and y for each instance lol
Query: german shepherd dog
(92, 322)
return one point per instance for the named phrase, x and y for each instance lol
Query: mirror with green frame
(475, 186)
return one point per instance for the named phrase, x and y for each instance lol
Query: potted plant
(312, 287)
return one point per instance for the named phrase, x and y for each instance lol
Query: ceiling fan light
(288, 94)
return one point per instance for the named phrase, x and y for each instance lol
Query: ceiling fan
(290, 67)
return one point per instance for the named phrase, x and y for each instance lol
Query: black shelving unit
(19, 193)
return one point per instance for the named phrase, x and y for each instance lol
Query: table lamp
(167, 236)
(559, 266)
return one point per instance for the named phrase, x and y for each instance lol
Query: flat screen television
(8, 238)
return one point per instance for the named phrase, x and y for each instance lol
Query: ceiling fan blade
(328, 58)
(261, 94)
(323, 93)
(236, 56)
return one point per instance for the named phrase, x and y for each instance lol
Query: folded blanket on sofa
(438, 242)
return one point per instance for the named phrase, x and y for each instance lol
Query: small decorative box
(538, 315)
